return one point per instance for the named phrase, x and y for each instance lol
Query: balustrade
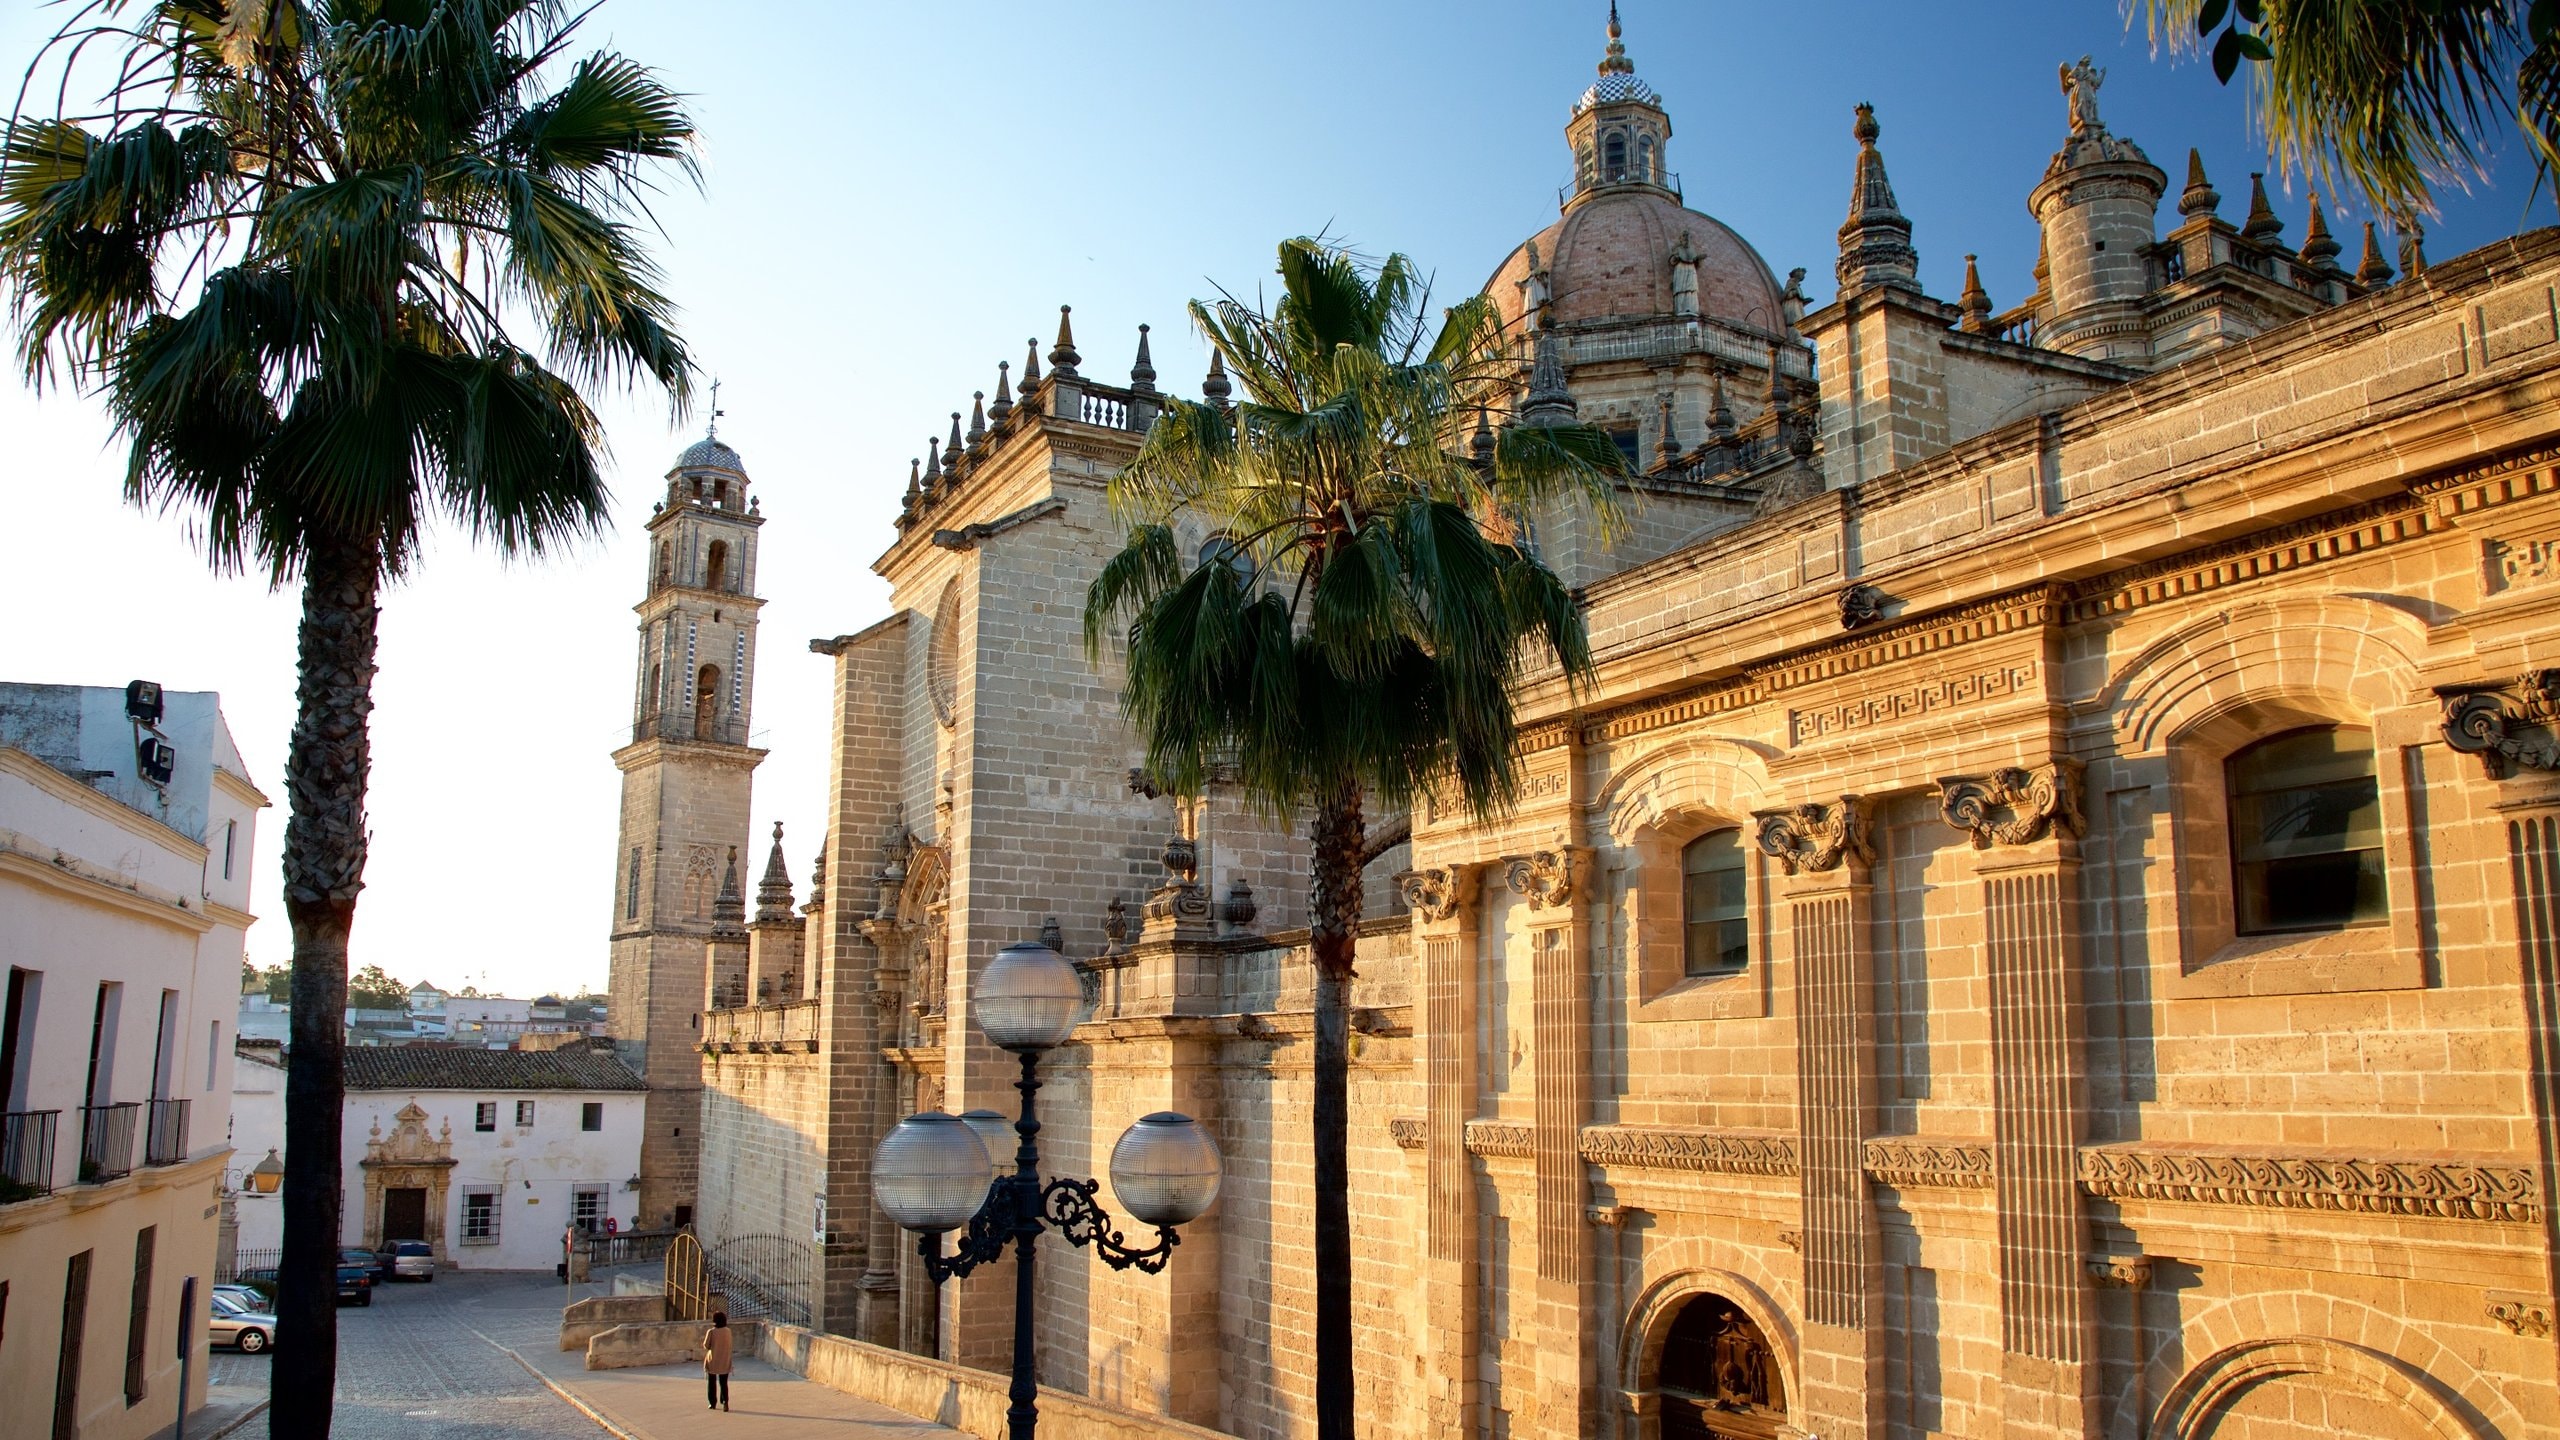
(165, 1141)
(106, 1141)
(790, 1025)
(26, 1153)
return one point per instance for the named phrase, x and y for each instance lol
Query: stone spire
(1975, 303)
(1216, 388)
(932, 465)
(2319, 247)
(2413, 249)
(915, 489)
(977, 418)
(1481, 445)
(1666, 445)
(1549, 402)
(1063, 358)
(729, 912)
(2199, 198)
(1142, 375)
(2372, 271)
(1720, 426)
(1030, 365)
(817, 882)
(773, 893)
(1004, 394)
(1614, 61)
(2262, 224)
(1875, 241)
(951, 450)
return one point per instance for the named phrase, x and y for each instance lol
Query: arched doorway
(706, 703)
(1719, 1380)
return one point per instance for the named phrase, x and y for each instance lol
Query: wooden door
(404, 1215)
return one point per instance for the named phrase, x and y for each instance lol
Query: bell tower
(686, 778)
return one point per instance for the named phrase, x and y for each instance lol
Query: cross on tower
(716, 411)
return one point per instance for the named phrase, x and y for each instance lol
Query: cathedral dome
(1610, 258)
(708, 453)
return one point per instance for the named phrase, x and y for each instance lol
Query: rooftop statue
(2080, 84)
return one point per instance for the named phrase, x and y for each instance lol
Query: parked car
(246, 1328)
(249, 1296)
(355, 1284)
(412, 1260)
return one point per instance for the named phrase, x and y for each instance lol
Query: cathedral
(2047, 923)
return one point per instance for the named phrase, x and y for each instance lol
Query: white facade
(264, 1019)
(122, 926)
(526, 1179)
(257, 1126)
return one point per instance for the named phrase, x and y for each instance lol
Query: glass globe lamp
(1028, 997)
(930, 1172)
(996, 1133)
(1165, 1169)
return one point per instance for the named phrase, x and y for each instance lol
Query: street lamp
(935, 1172)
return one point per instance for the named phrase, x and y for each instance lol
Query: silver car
(413, 1260)
(240, 1326)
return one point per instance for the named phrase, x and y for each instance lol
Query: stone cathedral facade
(2048, 923)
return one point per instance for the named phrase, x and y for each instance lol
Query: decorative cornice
(1437, 892)
(2478, 720)
(1500, 1138)
(2514, 464)
(2338, 535)
(1720, 1152)
(1407, 1130)
(2013, 805)
(1919, 1163)
(2443, 1189)
(1548, 878)
(1814, 838)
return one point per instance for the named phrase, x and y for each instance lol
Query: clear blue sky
(895, 197)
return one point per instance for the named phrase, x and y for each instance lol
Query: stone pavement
(476, 1356)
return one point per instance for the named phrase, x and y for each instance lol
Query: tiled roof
(422, 1067)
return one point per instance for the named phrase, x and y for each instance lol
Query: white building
(257, 1131)
(127, 825)
(488, 1155)
(264, 1019)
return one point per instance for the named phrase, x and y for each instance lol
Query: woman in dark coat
(716, 1343)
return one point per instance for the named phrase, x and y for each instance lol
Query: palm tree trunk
(324, 845)
(1333, 938)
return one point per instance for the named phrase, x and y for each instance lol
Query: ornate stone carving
(1240, 907)
(2120, 1272)
(1548, 877)
(1721, 1152)
(1792, 1239)
(1814, 838)
(1407, 1130)
(2012, 805)
(1500, 1138)
(1861, 605)
(2480, 720)
(1914, 1162)
(1437, 893)
(2444, 1189)
(1115, 923)
(2521, 1314)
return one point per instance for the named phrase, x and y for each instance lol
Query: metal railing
(763, 1275)
(688, 1282)
(26, 1153)
(631, 1247)
(165, 1139)
(260, 1263)
(1624, 175)
(106, 1140)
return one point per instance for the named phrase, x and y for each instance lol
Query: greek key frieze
(2483, 720)
(2013, 805)
(2443, 1189)
(1721, 1152)
(1815, 838)
(1909, 1163)
(1948, 693)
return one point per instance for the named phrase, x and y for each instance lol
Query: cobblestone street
(415, 1358)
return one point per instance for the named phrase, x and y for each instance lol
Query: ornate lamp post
(935, 1172)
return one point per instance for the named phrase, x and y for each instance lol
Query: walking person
(716, 1343)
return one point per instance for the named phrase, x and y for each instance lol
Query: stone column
(1446, 936)
(2027, 824)
(1825, 853)
(1551, 881)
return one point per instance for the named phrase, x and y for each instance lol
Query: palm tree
(1354, 637)
(2393, 97)
(286, 251)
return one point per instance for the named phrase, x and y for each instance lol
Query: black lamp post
(935, 1172)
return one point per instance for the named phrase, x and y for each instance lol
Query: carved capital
(1548, 877)
(2013, 805)
(1813, 838)
(2120, 1272)
(2525, 1315)
(1437, 893)
(2482, 720)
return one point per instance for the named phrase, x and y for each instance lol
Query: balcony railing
(166, 1141)
(106, 1141)
(26, 1153)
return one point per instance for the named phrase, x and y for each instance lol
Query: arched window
(1613, 156)
(720, 493)
(697, 487)
(715, 566)
(1719, 1379)
(1713, 920)
(2306, 832)
(649, 701)
(1644, 158)
(706, 702)
(1220, 550)
(666, 564)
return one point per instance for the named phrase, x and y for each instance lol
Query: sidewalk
(227, 1408)
(666, 1402)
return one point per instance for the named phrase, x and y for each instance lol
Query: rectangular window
(164, 1047)
(631, 888)
(479, 1215)
(137, 1335)
(591, 1116)
(230, 838)
(484, 1116)
(102, 1043)
(17, 1037)
(212, 1050)
(586, 1208)
(524, 1114)
(75, 1330)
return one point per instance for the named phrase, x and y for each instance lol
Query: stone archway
(406, 1160)
(1708, 1354)
(2306, 1388)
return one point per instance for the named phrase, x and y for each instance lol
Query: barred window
(480, 1215)
(484, 1116)
(524, 1114)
